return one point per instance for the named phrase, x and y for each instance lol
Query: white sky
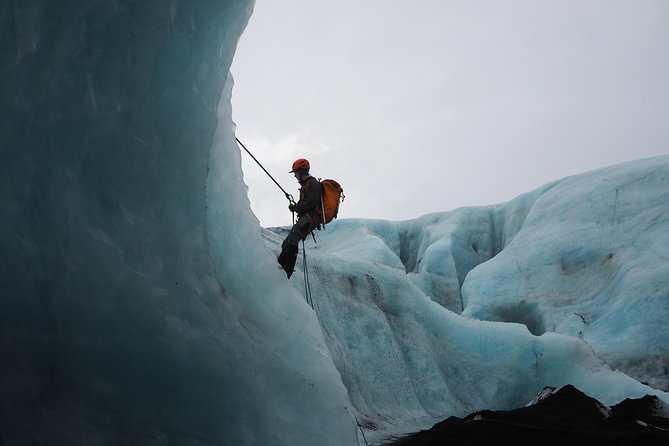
(428, 105)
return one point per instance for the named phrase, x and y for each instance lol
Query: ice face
(543, 267)
(136, 302)
(141, 301)
(589, 262)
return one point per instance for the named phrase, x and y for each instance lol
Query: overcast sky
(420, 106)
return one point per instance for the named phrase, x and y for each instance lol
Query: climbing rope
(307, 284)
(288, 196)
(361, 431)
(310, 301)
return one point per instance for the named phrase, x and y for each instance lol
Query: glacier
(483, 307)
(141, 302)
(120, 323)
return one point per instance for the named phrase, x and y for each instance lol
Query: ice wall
(590, 261)
(474, 308)
(117, 325)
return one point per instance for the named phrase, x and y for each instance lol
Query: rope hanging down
(288, 196)
(307, 283)
(310, 301)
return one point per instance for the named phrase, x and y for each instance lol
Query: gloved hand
(291, 207)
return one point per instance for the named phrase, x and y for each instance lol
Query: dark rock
(563, 417)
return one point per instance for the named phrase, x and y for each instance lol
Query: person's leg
(287, 259)
(296, 234)
(290, 246)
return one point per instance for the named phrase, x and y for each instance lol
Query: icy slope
(388, 297)
(137, 302)
(592, 261)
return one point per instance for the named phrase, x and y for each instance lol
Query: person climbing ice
(307, 216)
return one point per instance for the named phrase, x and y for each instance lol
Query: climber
(307, 217)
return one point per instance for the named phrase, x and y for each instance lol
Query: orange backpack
(332, 193)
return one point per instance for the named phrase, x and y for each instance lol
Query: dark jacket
(310, 197)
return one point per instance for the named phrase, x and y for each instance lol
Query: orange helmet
(300, 163)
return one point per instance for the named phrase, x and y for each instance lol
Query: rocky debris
(565, 416)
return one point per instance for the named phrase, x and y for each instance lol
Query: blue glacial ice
(482, 307)
(141, 301)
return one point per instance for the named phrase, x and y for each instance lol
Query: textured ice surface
(140, 303)
(590, 261)
(566, 284)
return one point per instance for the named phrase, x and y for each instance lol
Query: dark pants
(290, 246)
(298, 233)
